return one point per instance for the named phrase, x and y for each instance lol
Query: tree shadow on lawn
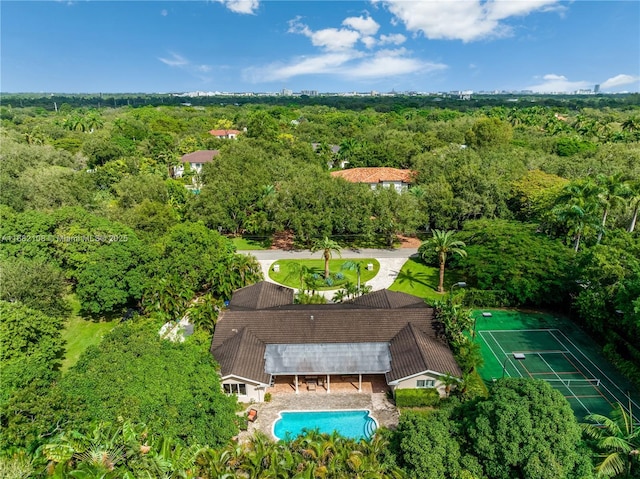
(409, 277)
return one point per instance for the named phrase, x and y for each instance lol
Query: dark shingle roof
(413, 351)
(261, 295)
(263, 314)
(316, 324)
(385, 299)
(242, 355)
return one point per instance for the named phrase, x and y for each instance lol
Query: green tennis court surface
(542, 346)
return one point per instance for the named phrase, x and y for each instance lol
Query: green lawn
(244, 244)
(80, 333)
(421, 280)
(285, 277)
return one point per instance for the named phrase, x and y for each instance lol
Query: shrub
(267, 397)
(417, 397)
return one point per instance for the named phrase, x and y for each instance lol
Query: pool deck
(381, 409)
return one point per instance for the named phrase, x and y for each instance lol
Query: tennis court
(552, 355)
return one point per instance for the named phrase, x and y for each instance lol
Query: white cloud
(331, 39)
(176, 60)
(618, 80)
(164, 12)
(386, 63)
(461, 20)
(559, 83)
(343, 54)
(247, 7)
(369, 42)
(353, 65)
(310, 65)
(393, 39)
(365, 25)
(501, 9)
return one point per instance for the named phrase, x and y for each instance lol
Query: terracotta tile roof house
(384, 176)
(196, 160)
(263, 336)
(226, 134)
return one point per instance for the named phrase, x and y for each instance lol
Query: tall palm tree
(443, 244)
(576, 207)
(613, 191)
(619, 440)
(634, 202)
(327, 247)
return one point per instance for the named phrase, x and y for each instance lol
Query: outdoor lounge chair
(252, 415)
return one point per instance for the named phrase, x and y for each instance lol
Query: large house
(382, 176)
(263, 338)
(196, 161)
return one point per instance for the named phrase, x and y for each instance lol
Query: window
(239, 389)
(425, 383)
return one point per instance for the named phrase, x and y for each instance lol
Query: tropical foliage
(543, 195)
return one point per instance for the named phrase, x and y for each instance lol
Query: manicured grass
(418, 279)
(287, 278)
(80, 333)
(244, 244)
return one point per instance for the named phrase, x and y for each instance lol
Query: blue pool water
(356, 424)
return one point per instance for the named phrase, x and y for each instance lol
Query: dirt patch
(409, 242)
(283, 240)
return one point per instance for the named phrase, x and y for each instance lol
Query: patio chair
(252, 415)
(311, 385)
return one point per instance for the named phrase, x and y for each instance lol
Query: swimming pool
(355, 423)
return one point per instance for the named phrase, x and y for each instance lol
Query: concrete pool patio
(384, 412)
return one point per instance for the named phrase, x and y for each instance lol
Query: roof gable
(386, 299)
(242, 354)
(414, 351)
(262, 295)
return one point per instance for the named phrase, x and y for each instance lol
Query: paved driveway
(391, 262)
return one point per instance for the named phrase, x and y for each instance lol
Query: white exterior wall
(398, 185)
(255, 392)
(412, 383)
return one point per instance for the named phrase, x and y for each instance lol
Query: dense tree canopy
(135, 375)
(525, 429)
(543, 193)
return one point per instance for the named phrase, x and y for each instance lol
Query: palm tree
(327, 246)
(631, 125)
(634, 201)
(613, 191)
(203, 313)
(576, 207)
(299, 271)
(619, 440)
(443, 243)
(354, 266)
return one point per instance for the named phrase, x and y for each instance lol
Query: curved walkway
(391, 262)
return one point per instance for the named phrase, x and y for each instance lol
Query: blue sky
(329, 46)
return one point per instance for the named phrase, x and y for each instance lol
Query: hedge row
(417, 397)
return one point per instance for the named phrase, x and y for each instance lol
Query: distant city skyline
(542, 46)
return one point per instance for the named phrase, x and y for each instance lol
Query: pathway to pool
(381, 409)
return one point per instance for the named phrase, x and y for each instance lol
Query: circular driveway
(391, 262)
